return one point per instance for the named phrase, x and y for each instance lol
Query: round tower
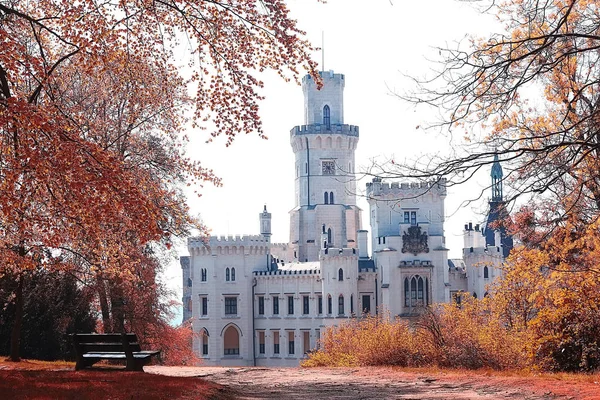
(325, 190)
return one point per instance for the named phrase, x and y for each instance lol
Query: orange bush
(446, 336)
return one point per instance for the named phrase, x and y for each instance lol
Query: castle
(253, 302)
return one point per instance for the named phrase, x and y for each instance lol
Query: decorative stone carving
(414, 241)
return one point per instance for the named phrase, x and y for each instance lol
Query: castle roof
(300, 266)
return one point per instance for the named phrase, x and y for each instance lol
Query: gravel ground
(379, 383)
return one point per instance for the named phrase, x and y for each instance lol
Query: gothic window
(406, 293)
(203, 275)
(290, 305)
(420, 291)
(305, 305)
(330, 197)
(340, 274)
(327, 117)
(413, 292)
(413, 217)
(320, 308)
(275, 305)
(341, 305)
(325, 198)
(189, 282)
(231, 342)
(227, 277)
(426, 291)
(329, 237)
(204, 342)
(233, 274)
(406, 217)
(329, 305)
(261, 305)
(351, 304)
(486, 273)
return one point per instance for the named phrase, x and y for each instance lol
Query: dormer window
(327, 117)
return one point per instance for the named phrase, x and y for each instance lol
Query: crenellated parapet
(405, 189)
(332, 252)
(226, 245)
(316, 129)
(288, 273)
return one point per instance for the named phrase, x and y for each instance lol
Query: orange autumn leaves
(93, 106)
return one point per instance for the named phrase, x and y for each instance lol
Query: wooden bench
(93, 347)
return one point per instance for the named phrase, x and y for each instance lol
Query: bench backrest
(104, 342)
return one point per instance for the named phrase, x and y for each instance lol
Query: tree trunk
(101, 289)
(15, 336)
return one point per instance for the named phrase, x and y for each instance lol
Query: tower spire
(497, 175)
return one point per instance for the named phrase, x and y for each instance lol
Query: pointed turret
(497, 213)
(496, 180)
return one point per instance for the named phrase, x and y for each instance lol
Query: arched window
(486, 294)
(486, 273)
(351, 304)
(426, 291)
(341, 305)
(406, 293)
(474, 294)
(203, 275)
(204, 335)
(189, 282)
(327, 117)
(227, 274)
(331, 198)
(413, 292)
(340, 274)
(231, 342)
(329, 305)
(420, 291)
(329, 237)
(325, 198)
(233, 274)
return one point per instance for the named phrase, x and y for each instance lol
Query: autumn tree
(530, 95)
(61, 184)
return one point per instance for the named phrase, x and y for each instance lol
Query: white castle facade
(253, 302)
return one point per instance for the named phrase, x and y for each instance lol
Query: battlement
(231, 240)
(314, 129)
(280, 245)
(325, 76)
(336, 252)
(291, 273)
(378, 188)
(488, 250)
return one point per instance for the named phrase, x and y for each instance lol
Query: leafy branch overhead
(533, 92)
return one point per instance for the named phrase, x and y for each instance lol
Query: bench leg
(85, 362)
(137, 365)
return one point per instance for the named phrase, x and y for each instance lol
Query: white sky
(374, 43)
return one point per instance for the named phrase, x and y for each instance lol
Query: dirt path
(379, 383)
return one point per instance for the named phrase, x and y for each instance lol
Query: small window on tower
(327, 117)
